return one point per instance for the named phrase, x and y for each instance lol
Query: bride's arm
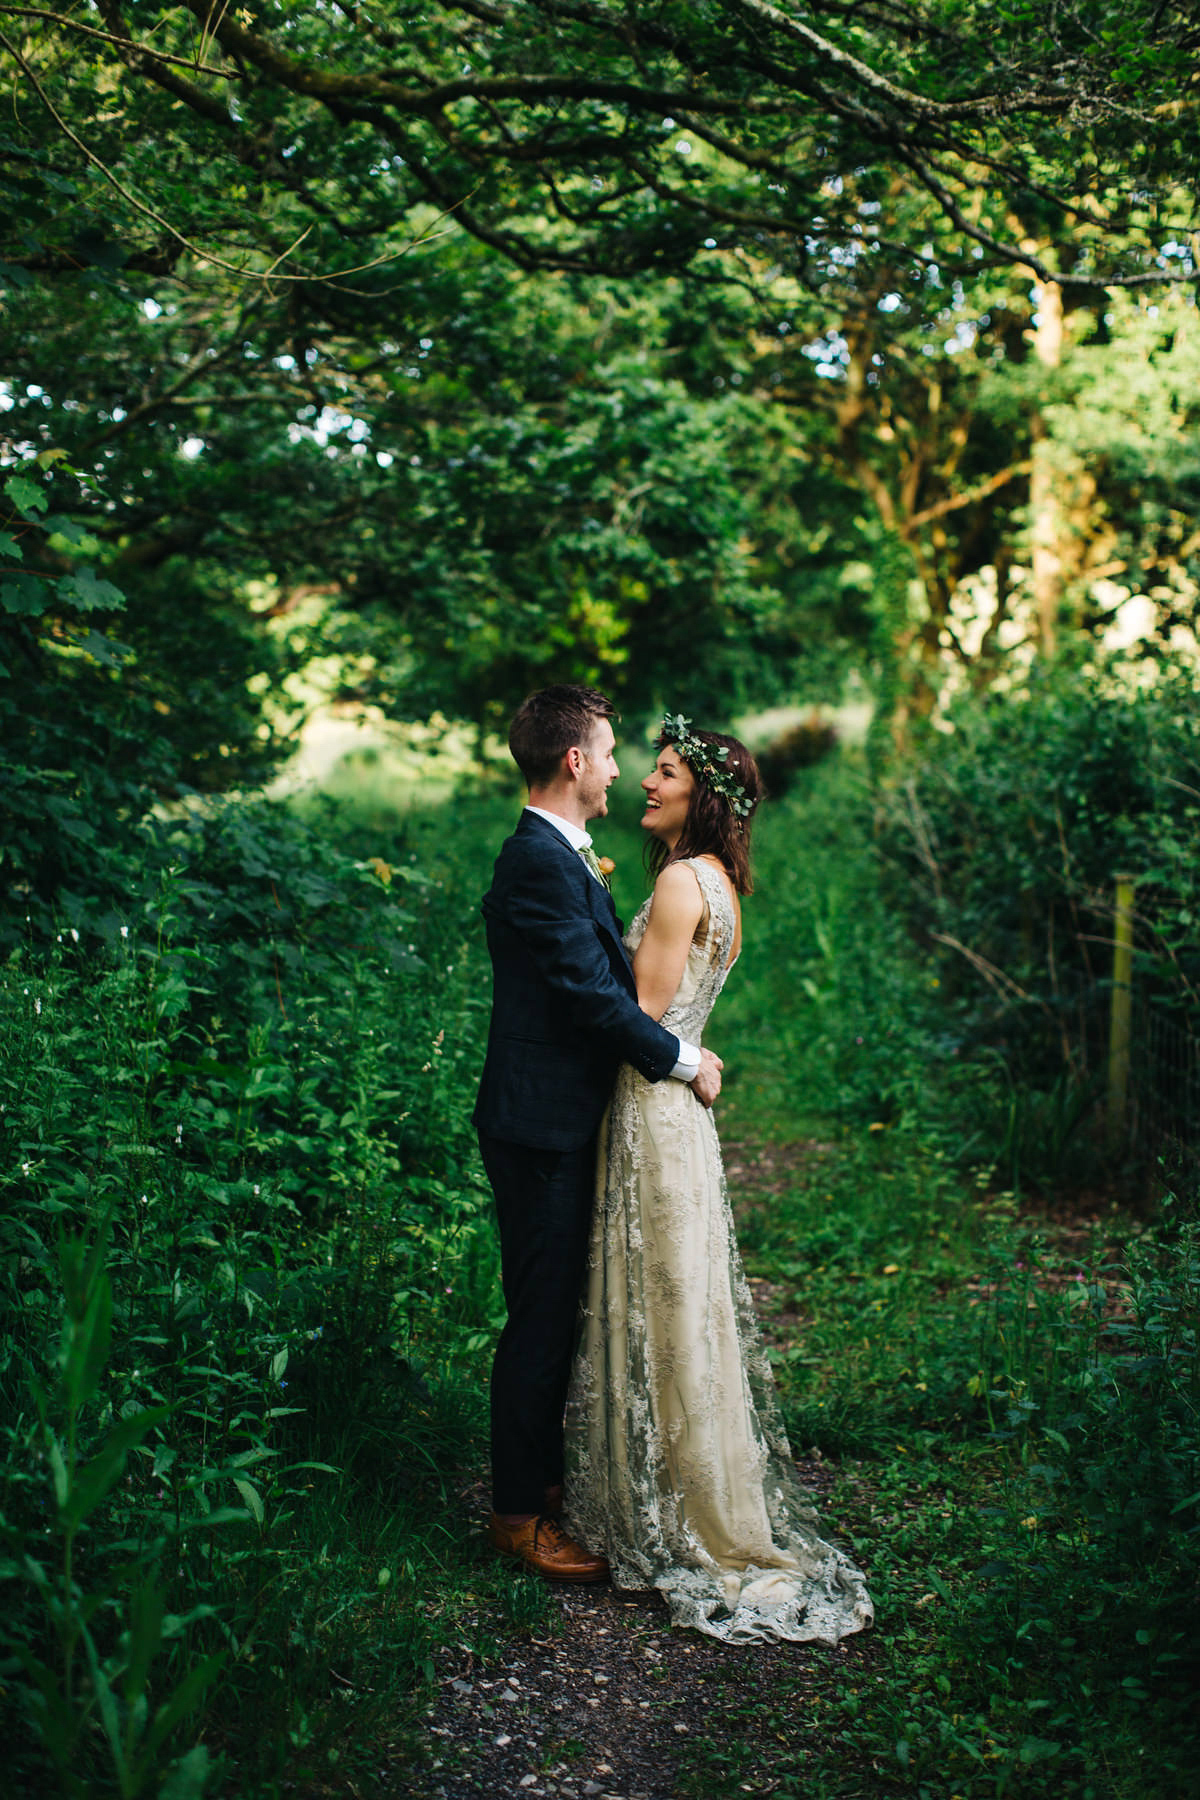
(660, 958)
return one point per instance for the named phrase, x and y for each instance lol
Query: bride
(678, 1464)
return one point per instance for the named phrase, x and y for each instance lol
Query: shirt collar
(578, 839)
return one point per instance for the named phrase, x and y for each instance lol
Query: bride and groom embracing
(629, 1316)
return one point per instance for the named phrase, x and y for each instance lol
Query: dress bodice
(708, 958)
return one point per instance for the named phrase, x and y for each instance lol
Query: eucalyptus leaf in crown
(705, 761)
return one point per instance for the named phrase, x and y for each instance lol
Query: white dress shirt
(688, 1066)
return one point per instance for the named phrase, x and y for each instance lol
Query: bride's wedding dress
(678, 1463)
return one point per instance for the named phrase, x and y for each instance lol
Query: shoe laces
(548, 1528)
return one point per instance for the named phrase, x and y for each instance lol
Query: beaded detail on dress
(678, 1465)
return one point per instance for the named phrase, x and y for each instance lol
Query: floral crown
(706, 761)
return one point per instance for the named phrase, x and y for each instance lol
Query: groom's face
(599, 770)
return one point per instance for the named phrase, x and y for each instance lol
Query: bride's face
(668, 789)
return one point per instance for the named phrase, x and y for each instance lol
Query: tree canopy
(690, 349)
(293, 140)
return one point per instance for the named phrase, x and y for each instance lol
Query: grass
(976, 1387)
(989, 1390)
(1014, 1410)
(257, 1104)
(1009, 1480)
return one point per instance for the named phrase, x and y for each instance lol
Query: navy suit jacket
(564, 1002)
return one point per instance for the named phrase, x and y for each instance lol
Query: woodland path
(614, 1705)
(611, 1703)
(604, 1701)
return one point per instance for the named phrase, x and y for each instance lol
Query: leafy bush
(1004, 844)
(857, 1032)
(1024, 1410)
(1072, 1624)
(110, 704)
(241, 1254)
(797, 748)
(248, 1285)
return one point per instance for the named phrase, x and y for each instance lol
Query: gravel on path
(609, 1705)
(615, 1704)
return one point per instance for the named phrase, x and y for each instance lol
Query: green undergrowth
(1010, 1409)
(249, 1290)
(1011, 1419)
(246, 1297)
(1006, 1385)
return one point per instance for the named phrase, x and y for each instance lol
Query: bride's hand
(706, 1083)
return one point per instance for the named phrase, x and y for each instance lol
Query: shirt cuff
(688, 1066)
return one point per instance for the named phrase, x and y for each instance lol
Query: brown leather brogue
(545, 1546)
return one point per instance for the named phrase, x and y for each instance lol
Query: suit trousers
(544, 1201)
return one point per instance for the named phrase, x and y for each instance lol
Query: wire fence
(1153, 1057)
(1127, 1045)
(1163, 1109)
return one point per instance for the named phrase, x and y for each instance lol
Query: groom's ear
(573, 760)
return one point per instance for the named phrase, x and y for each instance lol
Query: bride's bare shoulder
(676, 875)
(677, 893)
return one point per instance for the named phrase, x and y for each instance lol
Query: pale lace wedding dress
(678, 1465)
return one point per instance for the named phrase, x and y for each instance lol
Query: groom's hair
(546, 725)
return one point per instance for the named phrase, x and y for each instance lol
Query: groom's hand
(706, 1084)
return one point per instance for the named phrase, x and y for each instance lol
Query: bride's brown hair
(712, 827)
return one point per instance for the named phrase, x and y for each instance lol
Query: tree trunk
(1045, 502)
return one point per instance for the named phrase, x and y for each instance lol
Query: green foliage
(249, 1289)
(408, 455)
(862, 1039)
(242, 1243)
(1020, 1406)
(710, 412)
(95, 731)
(31, 534)
(1005, 843)
(292, 145)
(318, 355)
(1032, 1589)
(657, 524)
(111, 1690)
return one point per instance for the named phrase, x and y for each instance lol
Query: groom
(564, 1016)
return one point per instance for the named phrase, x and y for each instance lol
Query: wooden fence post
(1121, 1017)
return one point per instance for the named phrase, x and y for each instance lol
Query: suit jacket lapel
(603, 906)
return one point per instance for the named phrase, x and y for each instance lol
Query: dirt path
(616, 1704)
(612, 1704)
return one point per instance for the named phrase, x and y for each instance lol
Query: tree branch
(150, 52)
(992, 485)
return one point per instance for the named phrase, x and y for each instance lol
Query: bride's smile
(668, 789)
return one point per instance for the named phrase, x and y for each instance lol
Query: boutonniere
(607, 865)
